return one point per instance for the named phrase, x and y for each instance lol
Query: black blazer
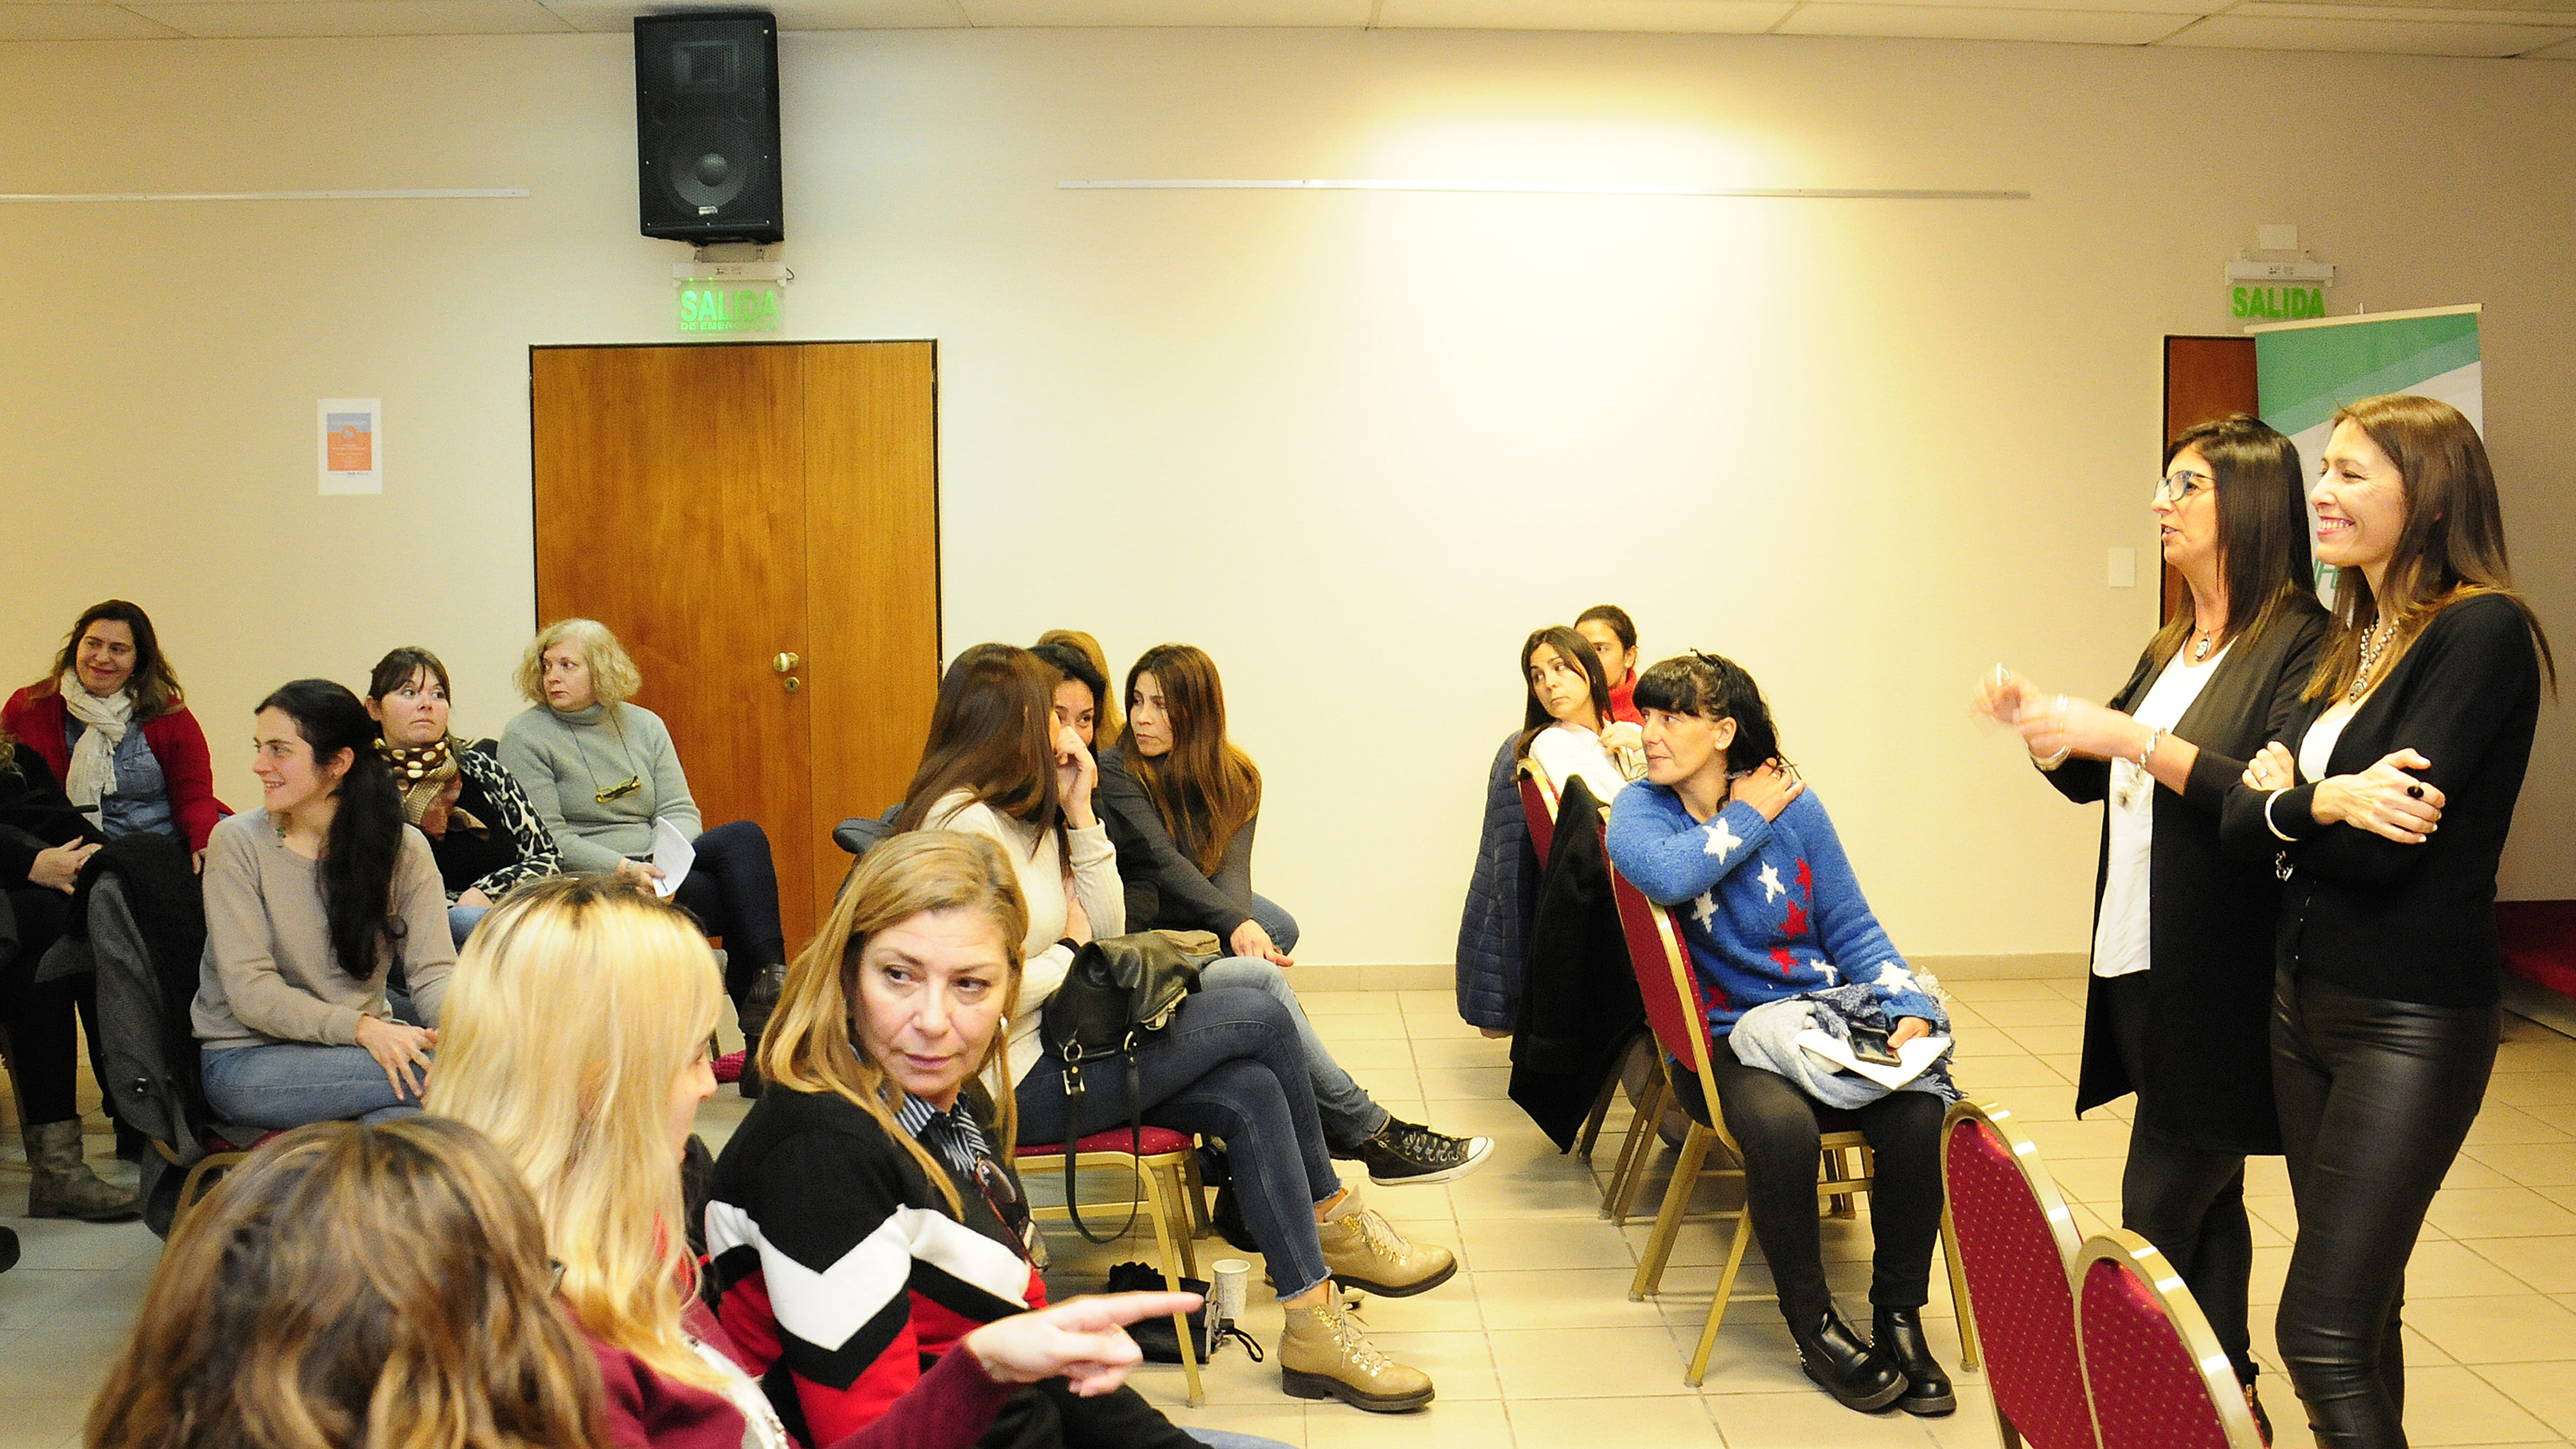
(2410, 922)
(2209, 915)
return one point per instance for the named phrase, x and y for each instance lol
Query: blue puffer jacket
(1504, 891)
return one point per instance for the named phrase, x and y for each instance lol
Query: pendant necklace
(2374, 642)
(2200, 645)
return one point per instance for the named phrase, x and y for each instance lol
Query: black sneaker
(1227, 1218)
(1405, 1154)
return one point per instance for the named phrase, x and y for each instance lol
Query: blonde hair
(613, 675)
(574, 1008)
(813, 1045)
(355, 1287)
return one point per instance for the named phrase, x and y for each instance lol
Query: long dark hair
(1714, 687)
(1075, 667)
(357, 866)
(2450, 549)
(2262, 528)
(355, 1285)
(1574, 649)
(154, 686)
(992, 736)
(1204, 788)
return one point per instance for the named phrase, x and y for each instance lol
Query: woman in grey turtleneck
(601, 773)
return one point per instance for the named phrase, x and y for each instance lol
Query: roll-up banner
(2303, 371)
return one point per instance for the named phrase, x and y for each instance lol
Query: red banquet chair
(2014, 1243)
(1166, 1163)
(2158, 1377)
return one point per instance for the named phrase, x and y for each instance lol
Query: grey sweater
(269, 975)
(565, 760)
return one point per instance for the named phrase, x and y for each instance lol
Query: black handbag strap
(1135, 1143)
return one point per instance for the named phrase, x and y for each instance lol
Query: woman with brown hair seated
(481, 829)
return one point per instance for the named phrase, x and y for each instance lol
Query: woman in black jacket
(2182, 968)
(2387, 799)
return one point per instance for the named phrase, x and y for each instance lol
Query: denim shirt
(141, 801)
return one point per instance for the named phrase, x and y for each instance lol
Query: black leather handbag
(1119, 991)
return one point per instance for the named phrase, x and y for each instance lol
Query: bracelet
(2155, 737)
(2055, 760)
(2268, 802)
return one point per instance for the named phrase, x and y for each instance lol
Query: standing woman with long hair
(114, 727)
(2387, 799)
(310, 900)
(2179, 1010)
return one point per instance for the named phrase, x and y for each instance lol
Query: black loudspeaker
(706, 126)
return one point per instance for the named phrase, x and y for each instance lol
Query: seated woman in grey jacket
(602, 773)
(310, 900)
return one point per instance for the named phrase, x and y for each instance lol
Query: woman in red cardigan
(113, 724)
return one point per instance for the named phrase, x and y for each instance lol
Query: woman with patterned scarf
(484, 833)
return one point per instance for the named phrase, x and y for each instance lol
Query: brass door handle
(785, 663)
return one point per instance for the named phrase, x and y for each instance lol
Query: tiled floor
(1535, 1343)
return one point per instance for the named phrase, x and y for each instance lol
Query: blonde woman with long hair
(356, 1287)
(576, 1040)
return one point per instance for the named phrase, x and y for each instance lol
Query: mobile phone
(1870, 1045)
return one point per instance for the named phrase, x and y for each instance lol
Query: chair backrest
(1676, 1003)
(2157, 1374)
(1538, 805)
(2016, 1247)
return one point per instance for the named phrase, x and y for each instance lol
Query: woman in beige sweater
(315, 903)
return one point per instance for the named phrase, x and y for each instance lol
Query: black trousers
(732, 890)
(1775, 1125)
(44, 1043)
(2375, 1098)
(2188, 1201)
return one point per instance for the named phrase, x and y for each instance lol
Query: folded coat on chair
(1578, 1003)
(1493, 931)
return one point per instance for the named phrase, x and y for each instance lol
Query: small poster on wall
(353, 444)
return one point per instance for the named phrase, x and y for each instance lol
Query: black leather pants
(2375, 1098)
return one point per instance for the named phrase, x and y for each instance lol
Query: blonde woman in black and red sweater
(2387, 802)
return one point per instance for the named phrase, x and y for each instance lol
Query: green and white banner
(2303, 371)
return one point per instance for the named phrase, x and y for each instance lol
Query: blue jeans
(293, 1083)
(461, 921)
(1350, 1117)
(1229, 1066)
(1281, 925)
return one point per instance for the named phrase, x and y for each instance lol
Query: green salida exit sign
(2276, 304)
(726, 306)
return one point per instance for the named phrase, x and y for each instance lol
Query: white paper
(352, 442)
(673, 855)
(1911, 1058)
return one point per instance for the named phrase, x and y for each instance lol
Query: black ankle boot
(757, 1003)
(1843, 1366)
(1899, 1337)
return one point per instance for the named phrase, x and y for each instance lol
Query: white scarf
(93, 771)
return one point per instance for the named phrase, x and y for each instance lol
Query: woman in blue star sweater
(1722, 831)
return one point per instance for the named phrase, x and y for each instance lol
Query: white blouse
(1032, 853)
(2121, 933)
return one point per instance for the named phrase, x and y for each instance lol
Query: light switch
(2124, 568)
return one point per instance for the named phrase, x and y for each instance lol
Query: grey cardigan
(269, 975)
(566, 760)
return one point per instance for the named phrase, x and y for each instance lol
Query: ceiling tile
(2307, 10)
(1350, 14)
(2388, 37)
(619, 15)
(2563, 50)
(2417, 8)
(1959, 22)
(2124, 7)
(1700, 17)
(248, 19)
(77, 22)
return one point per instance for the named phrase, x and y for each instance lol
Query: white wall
(1356, 445)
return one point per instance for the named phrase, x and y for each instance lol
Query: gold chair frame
(1174, 1200)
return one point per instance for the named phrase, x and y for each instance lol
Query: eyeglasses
(2178, 489)
(618, 791)
(1003, 1198)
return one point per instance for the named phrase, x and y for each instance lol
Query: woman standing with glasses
(2388, 796)
(2181, 983)
(603, 775)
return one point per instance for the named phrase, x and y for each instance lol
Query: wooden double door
(760, 526)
